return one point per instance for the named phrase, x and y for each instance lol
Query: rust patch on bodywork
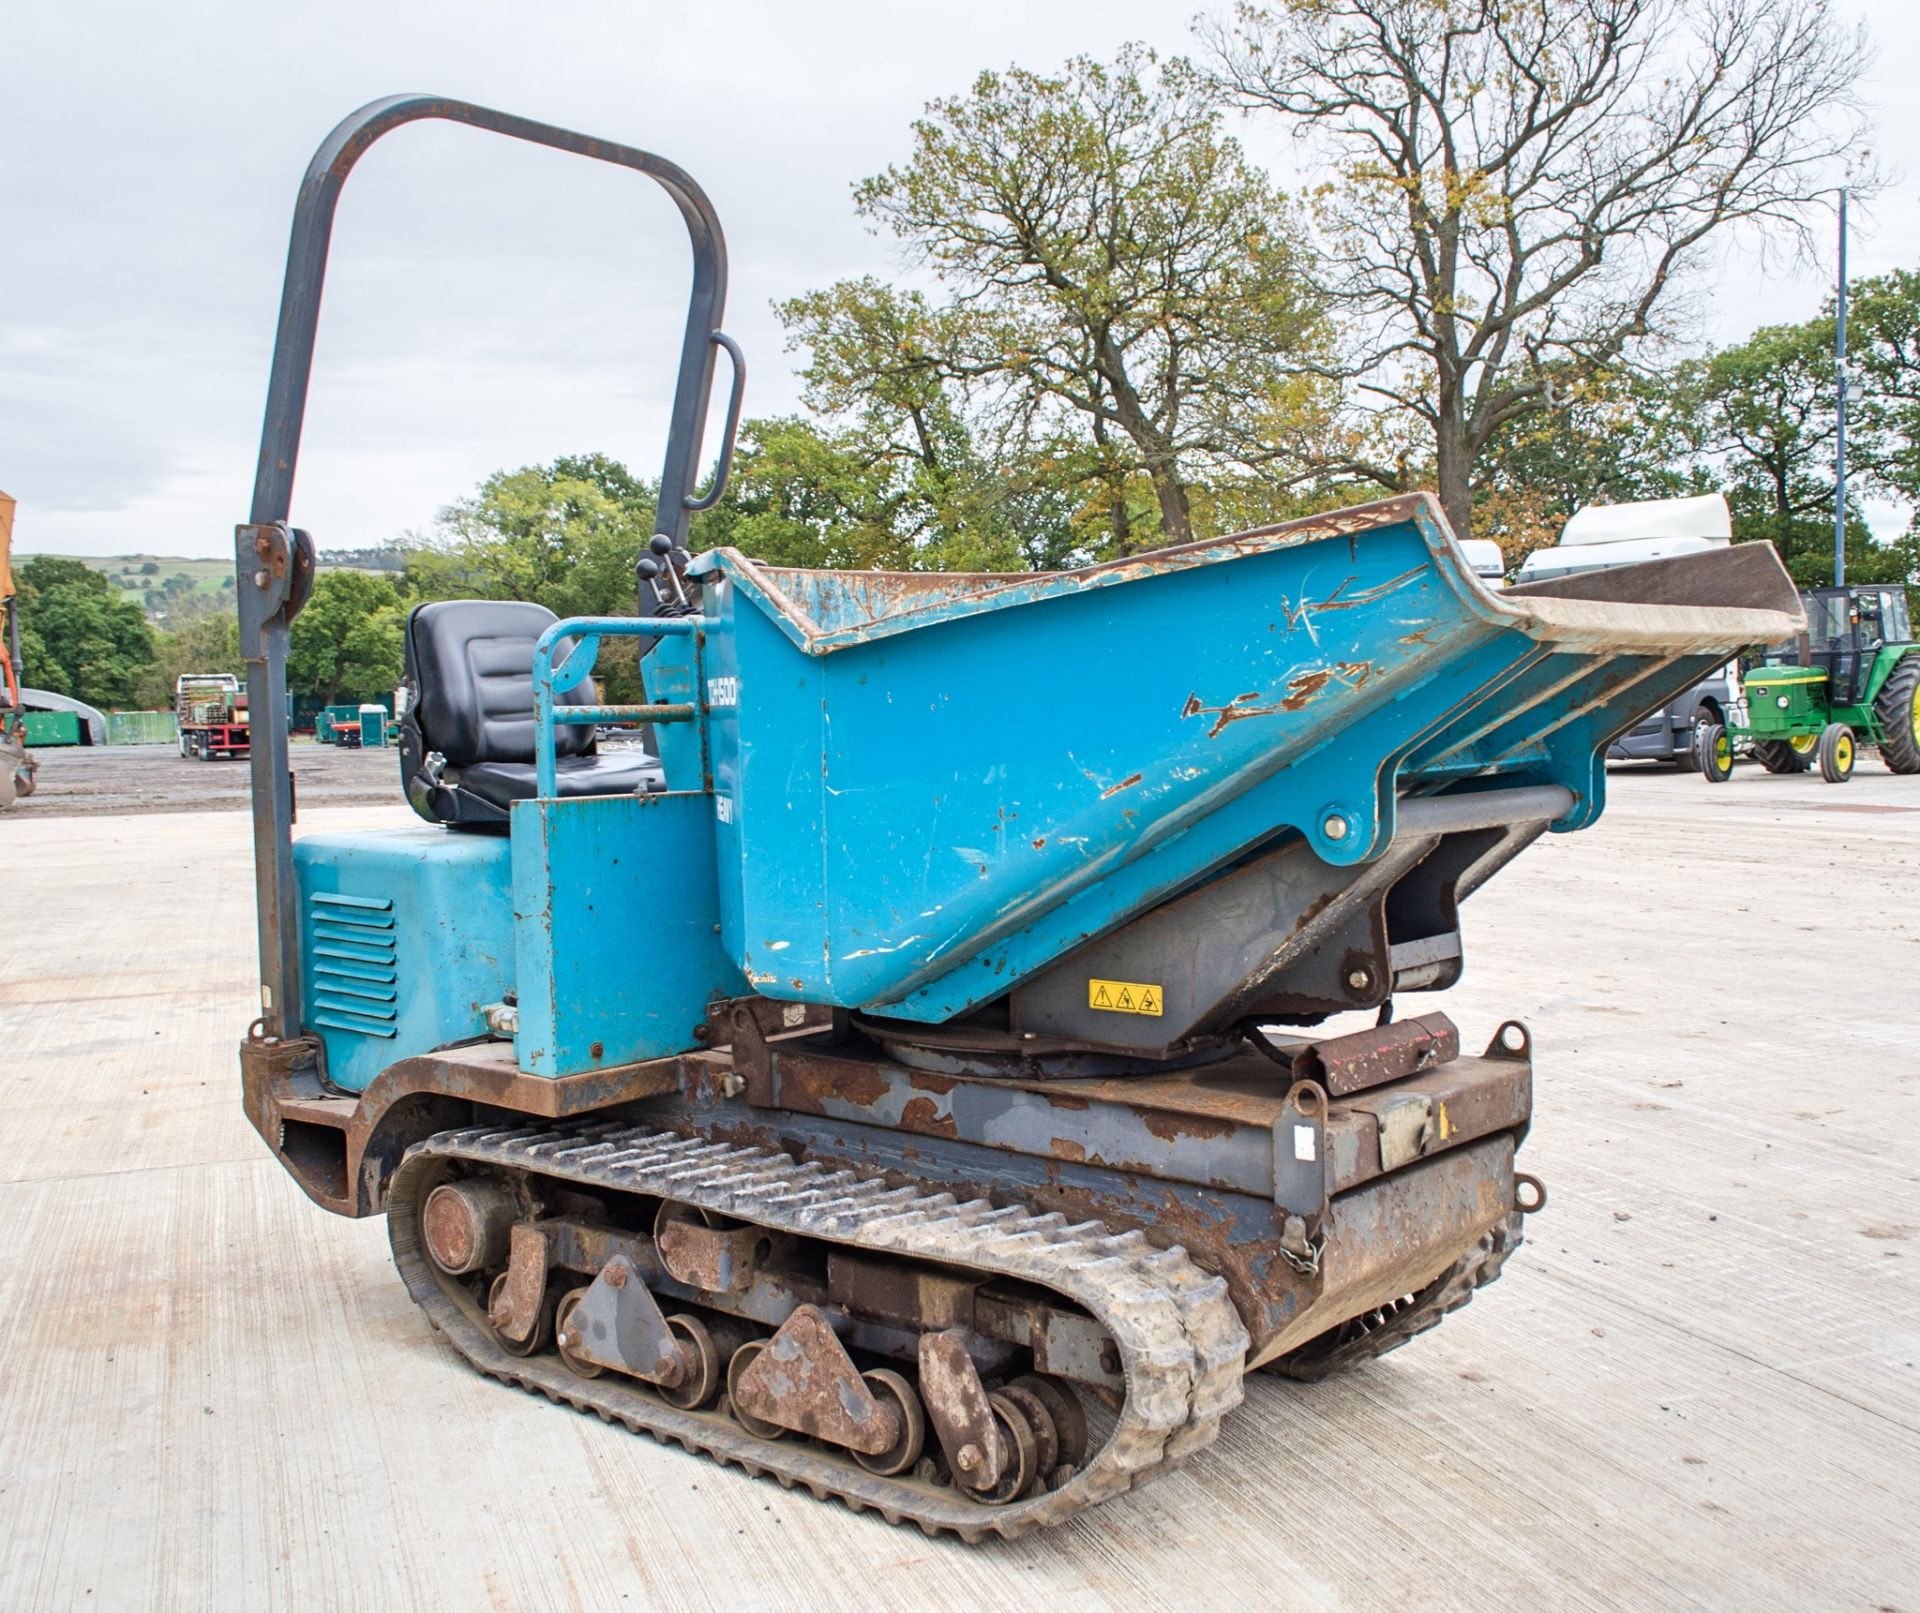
(1231, 712)
(1126, 783)
(1344, 1064)
(1171, 1125)
(1302, 689)
(927, 1081)
(1340, 599)
(341, 1149)
(1310, 685)
(923, 1115)
(860, 1084)
(1314, 909)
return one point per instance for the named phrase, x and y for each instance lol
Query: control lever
(670, 561)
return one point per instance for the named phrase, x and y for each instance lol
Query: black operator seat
(466, 741)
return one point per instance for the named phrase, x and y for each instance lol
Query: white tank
(1606, 535)
(1488, 563)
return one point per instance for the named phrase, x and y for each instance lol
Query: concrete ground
(87, 780)
(1695, 1387)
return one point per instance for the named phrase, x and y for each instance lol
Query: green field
(170, 588)
(163, 584)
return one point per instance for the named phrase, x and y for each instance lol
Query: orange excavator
(16, 766)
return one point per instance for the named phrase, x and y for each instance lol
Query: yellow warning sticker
(1123, 997)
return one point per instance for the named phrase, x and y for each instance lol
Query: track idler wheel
(466, 1225)
(531, 1342)
(616, 1323)
(1067, 1415)
(1039, 1421)
(519, 1308)
(997, 1445)
(802, 1379)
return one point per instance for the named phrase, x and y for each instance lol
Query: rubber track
(1182, 1346)
(1439, 1299)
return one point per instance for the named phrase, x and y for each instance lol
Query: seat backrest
(470, 662)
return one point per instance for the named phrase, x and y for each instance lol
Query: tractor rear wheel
(1786, 755)
(1836, 753)
(1714, 753)
(1898, 708)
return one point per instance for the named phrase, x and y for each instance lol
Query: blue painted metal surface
(616, 929)
(905, 794)
(406, 936)
(581, 635)
(930, 786)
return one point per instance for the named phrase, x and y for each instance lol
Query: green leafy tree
(210, 643)
(1769, 418)
(802, 495)
(1124, 295)
(1883, 347)
(1609, 437)
(564, 535)
(799, 496)
(345, 644)
(78, 636)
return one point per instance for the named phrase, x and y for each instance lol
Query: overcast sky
(489, 304)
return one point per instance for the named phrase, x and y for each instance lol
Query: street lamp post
(1840, 415)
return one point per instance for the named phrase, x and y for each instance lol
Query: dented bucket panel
(929, 787)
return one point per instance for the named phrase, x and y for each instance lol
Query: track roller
(743, 1359)
(871, 1343)
(1019, 1463)
(888, 1386)
(699, 1362)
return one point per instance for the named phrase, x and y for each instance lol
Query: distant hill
(172, 588)
(169, 588)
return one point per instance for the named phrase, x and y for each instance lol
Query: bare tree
(1520, 186)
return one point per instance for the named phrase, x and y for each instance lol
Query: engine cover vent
(356, 975)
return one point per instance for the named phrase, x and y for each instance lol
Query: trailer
(210, 710)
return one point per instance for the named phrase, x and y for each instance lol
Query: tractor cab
(1846, 629)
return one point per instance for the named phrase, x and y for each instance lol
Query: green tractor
(1853, 677)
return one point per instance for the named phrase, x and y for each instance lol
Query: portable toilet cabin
(373, 724)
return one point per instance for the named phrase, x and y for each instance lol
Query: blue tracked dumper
(891, 1079)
